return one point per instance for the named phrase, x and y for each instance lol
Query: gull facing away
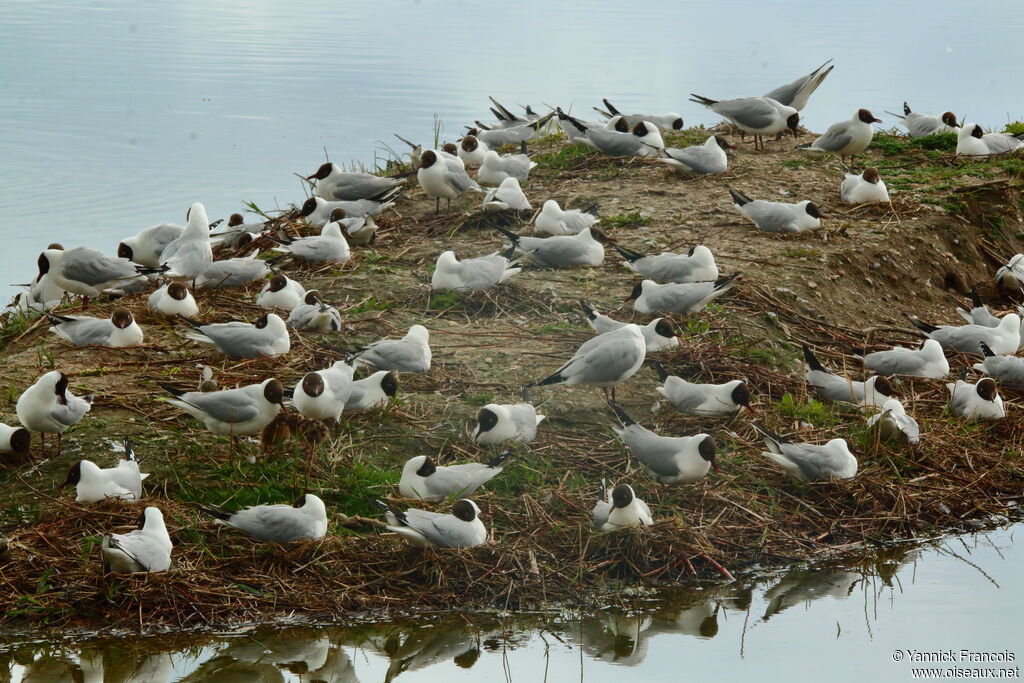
(1002, 339)
(86, 272)
(234, 272)
(708, 400)
(865, 188)
(474, 274)
(1009, 370)
(973, 141)
(554, 220)
(497, 423)
(118, 331)
(508, 196)
(173, 299)
(975, 402)
(313, 315)
(14, 439)
(670, 460)
(49, 407)
(796, 94)
(511, 135)
(810, 462)
(643, 140)
(94, 484)
(267, 338)
(146, 247)
(846, 138)
(605, 361)
(585, 248)
(698, 265)
(620, 509)
(329, 246)
(411, 353)
(146, 549)
(758, 116)
(303, 520)
(777, 216)
(706, 159)
(424, 529)
(872, 392)
(923, 125)
(688, 297)
(335, 184)
(423, 479)
(443, 179)
(235, 412)
(322, 395)
(317, 210)
(1010, 277)
(668, 121)
(659, 334)
(498, 168)
(928, 360)
(188, 257)
(373, 391)
(893, 423)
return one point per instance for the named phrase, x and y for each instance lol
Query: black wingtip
(399, 515)
(986, 350)
(611, 107)
(812, 361)
(906, 109)
(588, 310)
(660, 369)
(500, 459)
(975, 299)
(628, 254)
(216, 512)
(171, 389)
(508, 233)
(621, 414)
(738, 197)
(771, 435)
(190, 321)
(525, 393)
(547, 381)
(129, 452)
(923, 326)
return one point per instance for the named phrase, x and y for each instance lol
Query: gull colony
(177, 269)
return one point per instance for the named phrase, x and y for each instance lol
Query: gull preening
(894, 424)
(928, 360)
(687, 297)
(554, 220)
(314, 315)
(49, 407)
(620, 509)
(188, 256)
(1003, 339)
(146, 247)
(94, 484)
(146, 549)
(863, 188)
(474, 274)
(796, 94)
(706, 159)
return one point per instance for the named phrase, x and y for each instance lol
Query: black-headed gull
(238, 233)
(1003, 339)
(1010, 277)
(893, 423)
(708, 400)
(508, 196)
(94, 484)
(870, 393)
(373, 391)
(511, 135)
(497, 168)
(497, 423)
(411, 353)
(776, 216)
(234, 272)
(585, 248)
(235, 412)
(698, 265)
(863, 188)
(706, 159)
(281, 292)
(922, 125)
(659, 334)
(423, 479)
(605, 361)
(146, 247)
(472, 150)
(172, 299)
(1009, 370)
(188, 256)
(267, 338)
(474, 274)
(643, 140)
(146, 549)
(928, 360)
(424, 529)
(667, 121)
(620, 509)
(975, 402)
(335, 184)
(796, 94)
(118, 331)
(442, 179)
(49, 407)
(972, 140)
(688, 297)
(554, 220)
(329, 246)
(14, 439)
(313, 315)
(670, 460)
(810, 462)
(758, 116)
(317, 210)
(322, 395)
(846, 138)
(303, 520)
(86, 272)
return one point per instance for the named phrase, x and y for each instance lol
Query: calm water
(118, 115)
(836, 625)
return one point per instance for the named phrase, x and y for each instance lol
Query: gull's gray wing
(93, 268)
(86, 331)
(1008, 369)
(753, 112)
(143, 549)
(614, 143)
(657, 453)
(70, 413)
(815, 462)
(895, 362)
(281, 523)
(240, 340)
(680, 297)
(965, 339)
(459, 179)
(355, 186)
(482, 272)
(835, 138)
(699, 159)
(318, 248)
(555, 251)
(605, 358)
(394, 354)
(686, 396)
(233, 272)
(770, 216)
(231, 405)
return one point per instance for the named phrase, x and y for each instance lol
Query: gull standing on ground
(620, 509)
(411, 353)
(585, 248)
(86, 272)
(236, 340)
(698, 265)
(373, 391)
(973, 141)
(173, 299)
(670, 460)
(335, 184)
(94, 485)
(234, 272)
(776, 216)
(668, 121)
(870, 393)
(975, 402)
(235, 412)
(303, 520)
(810, 462)
(1003, 339)
(443, 179)
(865, 188)
(14, 439)
(188, 257)
(795, 94)
(659, 334)
(146, 549)
(48, 407)
(322, 395)
(422, 479)
(43, 292)
(846, 138)
(425, 529)
(923, 125)
(690, 297)
(118, 331)
(605, 361)
(893, 423)
(497, 423)
(758, 116)
(314, 315)
(281, 292)
(708, 400)
(508, 196)
(706, 159)
(495, 169)
(554, 220)
(926, 361)
(146, 247)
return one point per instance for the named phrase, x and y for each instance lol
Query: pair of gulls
(307, 310)
(325, 394)
(972, 140)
